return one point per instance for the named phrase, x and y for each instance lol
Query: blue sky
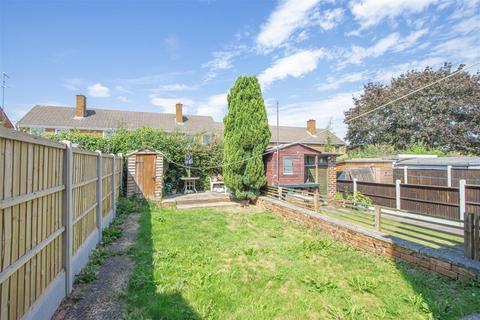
(312, 56)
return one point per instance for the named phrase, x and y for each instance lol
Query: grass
(210, 264)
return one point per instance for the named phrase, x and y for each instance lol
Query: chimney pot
(311, 126)
(179, 113)
(81, 108)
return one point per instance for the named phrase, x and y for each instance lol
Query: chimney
(81, 108)
(311, 126)
(179, 113)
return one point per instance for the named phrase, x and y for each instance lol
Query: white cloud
(331, 18)
(296, 114)
(393, 42)
(289, 16)
(215, 106)
(386, 74)
(462, 49)
(333, 83)
(295, 65)
(222, 60)
(99, 91)
(123, 89)
(168, 104)
(123, 99)
(371, 12)
(74, 84)
(174, 87)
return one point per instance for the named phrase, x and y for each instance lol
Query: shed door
(145, 170)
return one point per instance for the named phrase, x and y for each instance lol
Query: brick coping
(443, 255)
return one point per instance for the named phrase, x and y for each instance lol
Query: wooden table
(189, 184)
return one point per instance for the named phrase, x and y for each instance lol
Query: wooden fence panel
(381, 193)
(472, 195)
(345, 186)
(34, 219)
(471, 176)
(84, 196)
(434, 200)
(31, 180)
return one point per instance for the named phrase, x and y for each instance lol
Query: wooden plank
(20, 136)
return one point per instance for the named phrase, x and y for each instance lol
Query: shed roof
(463, 162)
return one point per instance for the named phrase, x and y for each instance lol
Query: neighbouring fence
(442, 176)
(435, 232)
(439, 201)
(51, 197)
(305, 199)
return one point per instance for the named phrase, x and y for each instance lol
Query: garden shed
(145, 169)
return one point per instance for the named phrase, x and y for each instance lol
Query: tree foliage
(246, 135)
(173, 145)
(445, 115)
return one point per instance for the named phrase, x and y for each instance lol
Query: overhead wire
(348, 120)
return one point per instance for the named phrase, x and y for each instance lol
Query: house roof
(464, 162)
(103, 119)
(4, 120)
(288, 145)
(300, 134)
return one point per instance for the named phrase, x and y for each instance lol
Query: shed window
(206, 139)
(287, 165)
(37, 131)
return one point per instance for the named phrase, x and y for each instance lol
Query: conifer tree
(246, 136)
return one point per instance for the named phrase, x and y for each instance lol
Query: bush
(173, 145)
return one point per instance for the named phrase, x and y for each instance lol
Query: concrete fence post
(405, 174)
(121, 173)
(114, 200)
(449, 176)
(280, 193)
(397, 193)
(378, 218)
(355, 186)
(316, 200)
(99, 194)
(68, 218)
(468, 230)
(461, 199)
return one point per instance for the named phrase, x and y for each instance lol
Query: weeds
(319, 285)
(360, 284)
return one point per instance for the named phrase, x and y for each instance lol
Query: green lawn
(209, 264)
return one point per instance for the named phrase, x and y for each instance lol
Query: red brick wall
(367, 241)
(332, 176)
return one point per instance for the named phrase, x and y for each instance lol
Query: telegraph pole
(278, 147)
(4, 85)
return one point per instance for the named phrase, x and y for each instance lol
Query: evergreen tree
(246, 136)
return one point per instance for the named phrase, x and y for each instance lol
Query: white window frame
(285, 173)
(110, 131)
(206, 135)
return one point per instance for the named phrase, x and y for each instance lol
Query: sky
(311, 56)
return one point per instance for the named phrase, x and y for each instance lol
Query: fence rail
(49, 219)
(435, 232)
(301, 198)
(438, 201)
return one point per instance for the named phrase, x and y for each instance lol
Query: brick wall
(444, 263)
(332, 176)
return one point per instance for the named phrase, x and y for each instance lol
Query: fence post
(405, 174)
(113, 186)
(68, 218)
(99, 194)
(378, 217)
(461, 198)
(468, 229)
(316, 200)
(397, 193)
(449, 176)
(121, 173)
(280, 192)
(355, 186)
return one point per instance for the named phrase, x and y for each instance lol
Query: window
(57, 131)
(189, 138)
(107, 133)
(37, 131)
(206, 139)
(287, 165)
(309, 160)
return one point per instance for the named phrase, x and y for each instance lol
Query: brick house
(4, 120)
(103, 122)
(303, 167)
